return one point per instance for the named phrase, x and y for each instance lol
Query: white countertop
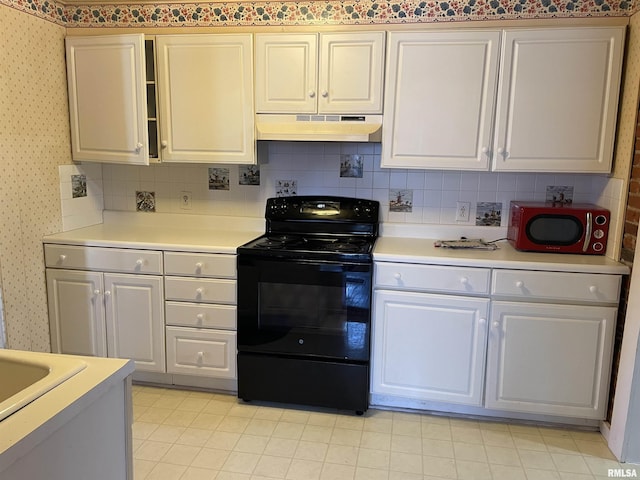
(397, 242)
(187, 233)
(26, 428)
(424, 251)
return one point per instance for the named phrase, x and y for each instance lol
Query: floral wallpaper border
(326, 12)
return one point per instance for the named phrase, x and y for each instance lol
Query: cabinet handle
(519, 284)
(312, 94)
(464, 281)
(164, 144)
(107, 293)
(593, 289)
(397, 276)
(62, 258)
(325, 94)
(200, 356)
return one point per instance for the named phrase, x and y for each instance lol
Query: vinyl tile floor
(191, 435)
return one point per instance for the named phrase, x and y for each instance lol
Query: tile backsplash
(305, 168)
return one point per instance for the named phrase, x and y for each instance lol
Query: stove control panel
(322, 209)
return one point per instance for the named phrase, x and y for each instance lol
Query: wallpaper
(34, 136)
(332, 12)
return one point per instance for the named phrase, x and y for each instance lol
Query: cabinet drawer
(103, 259)
(200, 265)
(433, 278)
(195, 351)
(201, 315)
(558, 286)
(206, 290)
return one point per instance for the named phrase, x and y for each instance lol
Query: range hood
(319, 128)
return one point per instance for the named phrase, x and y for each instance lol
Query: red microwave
(558, 227)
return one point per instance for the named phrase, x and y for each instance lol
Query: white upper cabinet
(439, 99)
(558, 99)
(327, 73)
(107, 99)
(205, 93)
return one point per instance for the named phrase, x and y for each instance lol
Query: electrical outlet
(185, 200)
(462, 211)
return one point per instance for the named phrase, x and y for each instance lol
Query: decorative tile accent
(145, 201)
(78, 186)
(346, 12)
(351, 165)
(401, 201)
(249, 175)
(286, 188)
(488, 214)
(559, 194)
(218, 179)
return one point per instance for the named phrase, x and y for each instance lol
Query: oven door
(304, 308)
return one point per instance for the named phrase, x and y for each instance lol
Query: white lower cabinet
(549, 359)
(107, 315)
(200, 306)
(429, 347)
(544, 351)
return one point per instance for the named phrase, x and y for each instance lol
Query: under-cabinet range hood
(319, 128)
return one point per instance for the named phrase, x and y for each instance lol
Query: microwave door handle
(587, 235)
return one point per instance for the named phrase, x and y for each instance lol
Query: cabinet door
(439, 99)
(76, 312)
(205, 92)
(558, 99)
(429, 347)
(107, 99)
(135, 319)
(351, 73)
(286, 73)
(549, 359)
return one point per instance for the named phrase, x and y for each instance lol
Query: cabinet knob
(164, 144)
(139, 147)
(200, 355)
(96, 292)
(519, 284)
(312, 94)
(464, 281)
(200, 317)
(495, 324)
(107, 293)
(485, 150)
(593, 289)
(140, 262)
(199, 266)
(397, 276)
(482, 321)
(503, 152)
(62, 258)
(199, 291)
(325, 94)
